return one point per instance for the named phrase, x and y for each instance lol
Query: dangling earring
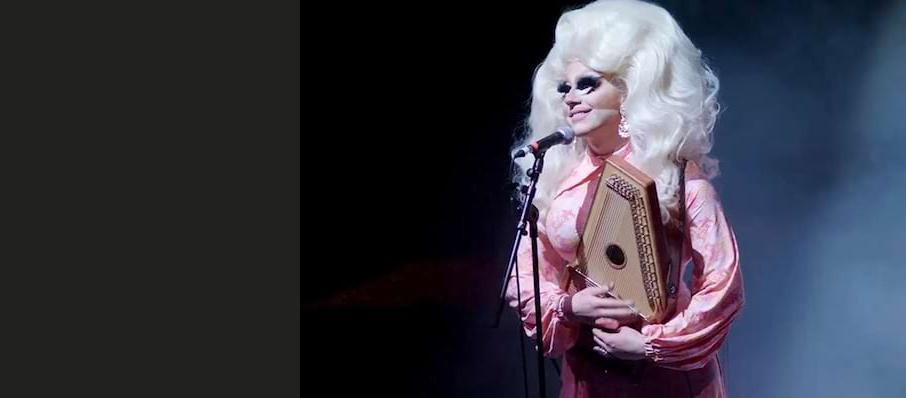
(624, 125)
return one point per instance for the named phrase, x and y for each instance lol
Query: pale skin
(591, 103)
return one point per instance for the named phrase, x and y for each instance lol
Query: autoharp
(625, 242)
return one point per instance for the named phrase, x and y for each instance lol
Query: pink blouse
(682, 352)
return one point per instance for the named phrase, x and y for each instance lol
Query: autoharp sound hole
(616, 256)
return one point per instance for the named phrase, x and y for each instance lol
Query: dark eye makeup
(588, 83)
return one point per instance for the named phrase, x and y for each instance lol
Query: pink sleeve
(692, 337)
(559, 333)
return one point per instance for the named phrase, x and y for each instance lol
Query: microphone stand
(528, 217)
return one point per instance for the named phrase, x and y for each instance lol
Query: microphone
(563, 135)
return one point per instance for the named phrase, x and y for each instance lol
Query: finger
(601, 343)
(603, 335)
(601, 351)
(607, 323)
(598, 332)
(598, 291)
(616, 313)
(598, 303)
(626, 329)
(612, 302)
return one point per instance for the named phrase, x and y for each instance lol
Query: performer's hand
(625, 343)
(593, 307)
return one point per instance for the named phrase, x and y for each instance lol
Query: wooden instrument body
(625, 242)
